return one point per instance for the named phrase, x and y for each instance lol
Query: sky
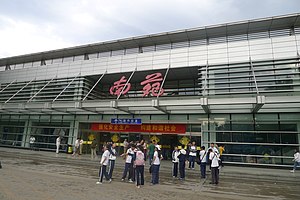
(30, 26)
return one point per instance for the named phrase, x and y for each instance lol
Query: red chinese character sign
(152, 84)
(120, 85)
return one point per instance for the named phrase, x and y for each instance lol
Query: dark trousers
(203, 169)
(102, 172)
(139, 171)
(128, 167)
(155, 174)
(192, 162)
(182, 169)
(150, 158)
(175, 169)
(111, 168)
(215, 175)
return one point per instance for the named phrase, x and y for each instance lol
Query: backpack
(139, 159)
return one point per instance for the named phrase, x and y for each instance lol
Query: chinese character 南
(152, 84)
(118, 86)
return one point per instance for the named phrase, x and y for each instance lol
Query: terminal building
(235, 84)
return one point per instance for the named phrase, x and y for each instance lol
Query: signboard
(144, 128)
(125, 121)
(152, 86)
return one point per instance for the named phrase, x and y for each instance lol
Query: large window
(259, 138)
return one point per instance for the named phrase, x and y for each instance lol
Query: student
(139, 164)
(296, 160)
(175, 161)
(155, 166)
(103, 163)
(112, 159)
(182, 157)
(203, 160)
(192, 155)
(129, 157)
(214, 157)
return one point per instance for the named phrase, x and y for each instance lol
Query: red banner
(144, 128)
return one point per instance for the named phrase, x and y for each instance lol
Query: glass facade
(255, 138)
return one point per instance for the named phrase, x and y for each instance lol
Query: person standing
(57, 144)
(151, 151)
(80, 146)
(221, 150)
(103, 163)
(112, 159)
(203, 160)
(93, 149)
(31, 142)
(214, 157)
(214, 149)
(155, 166)
(296, 160)
(145, 150)
(182, 158)
(175, 161)
(192, 155)
(76, 146)
(129, 163)
(125, 144)
(139, 164)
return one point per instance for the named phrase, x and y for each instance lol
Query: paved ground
(43, 175)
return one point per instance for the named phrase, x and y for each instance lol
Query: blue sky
(29, 26)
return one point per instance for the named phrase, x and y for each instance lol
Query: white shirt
(81, 142)
(111, 156)
(105, 158)
(175, 158)
(58, 141)
(297, 157)
(193, 151)
(77, 143)
(129, 157)
(203, 156)
(214, 159)
(182, 151)
(157, 160)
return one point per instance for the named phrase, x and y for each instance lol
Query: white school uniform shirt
(193, 151)
(128, 157)
(203, 156)
(175, 159)
(105, 158)
(297, 157)
(111, 156)
(157, 160)
(213, 156)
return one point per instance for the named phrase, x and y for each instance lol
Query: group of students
(212, 157)
(134, 164)
(135, 158)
